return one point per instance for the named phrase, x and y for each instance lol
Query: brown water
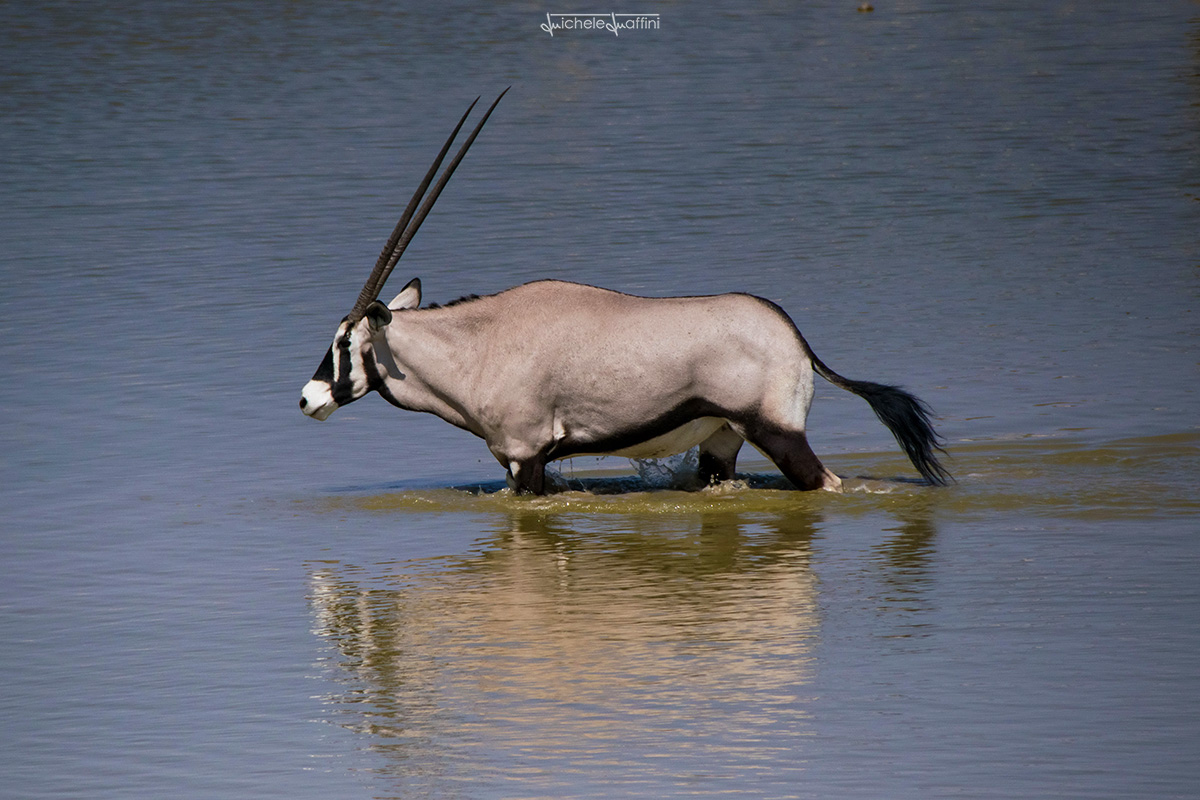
(207, 595)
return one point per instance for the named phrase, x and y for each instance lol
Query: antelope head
(349, 370)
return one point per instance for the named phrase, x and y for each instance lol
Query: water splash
(673, 472)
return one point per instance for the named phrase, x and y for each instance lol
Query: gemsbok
(550, 369)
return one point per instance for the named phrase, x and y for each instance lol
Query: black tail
(904, 415)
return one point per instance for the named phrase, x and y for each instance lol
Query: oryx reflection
(568, 646)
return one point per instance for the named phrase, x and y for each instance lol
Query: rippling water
(208, 595)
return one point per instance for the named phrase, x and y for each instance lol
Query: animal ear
(409, 297)
(378, 315)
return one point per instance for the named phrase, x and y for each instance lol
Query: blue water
(207, 595)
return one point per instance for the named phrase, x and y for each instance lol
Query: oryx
(550, 369)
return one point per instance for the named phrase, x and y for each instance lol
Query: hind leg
(795, 459)
(718, 455)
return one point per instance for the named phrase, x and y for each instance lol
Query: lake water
(207, 595)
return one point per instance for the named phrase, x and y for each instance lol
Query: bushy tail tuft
(907, 417)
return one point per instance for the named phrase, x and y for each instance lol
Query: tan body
(550, 369)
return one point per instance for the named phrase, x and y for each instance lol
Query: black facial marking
(375, 381)
(324, 372)
(371, 367)
(342, 388)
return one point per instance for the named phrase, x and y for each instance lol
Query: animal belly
(681, 439)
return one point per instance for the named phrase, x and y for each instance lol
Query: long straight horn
(374, 285)
(404, 231)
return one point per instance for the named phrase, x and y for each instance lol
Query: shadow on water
(666, 638)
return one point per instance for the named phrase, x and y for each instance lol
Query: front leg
(527, 477)
(526, 465)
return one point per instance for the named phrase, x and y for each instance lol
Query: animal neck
(417, 368)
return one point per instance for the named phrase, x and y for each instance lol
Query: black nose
(303, 402)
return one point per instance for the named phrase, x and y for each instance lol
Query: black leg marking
(718, 456)
(795, 459)
(530, 477)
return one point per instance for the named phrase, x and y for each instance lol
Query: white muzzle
(316, 400)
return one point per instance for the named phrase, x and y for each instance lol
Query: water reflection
(904, 565)
(905, 556)
(640, 649)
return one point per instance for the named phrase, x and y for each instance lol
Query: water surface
(207, 595)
